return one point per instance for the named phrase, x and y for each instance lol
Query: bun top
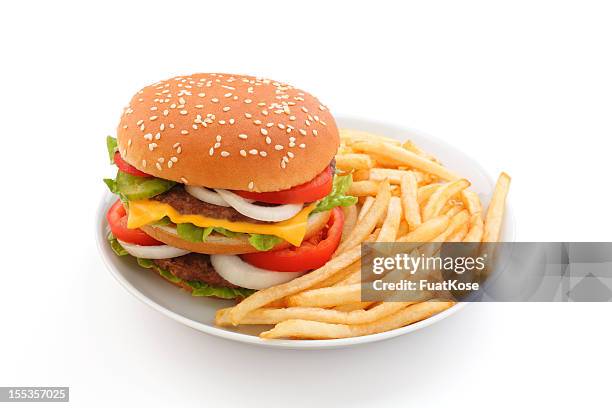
(228, 131)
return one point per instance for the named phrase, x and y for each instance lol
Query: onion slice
(236, 271)
(153, 252)
(206, 195)
(258, 212)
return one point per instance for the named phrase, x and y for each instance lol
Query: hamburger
(226, 183)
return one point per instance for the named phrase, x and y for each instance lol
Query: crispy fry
(403, 228)
(304, 282)
(388, 231)
(395, 176)
(476, 229)
(365, 207)
(425, 192)
(354, 161)
(462, 217)
(360, 175)
(428, 230)
(349, 307)
(350, 136)
(409, 145)
(306, 329)
(459, 233)
(350, 219)
(340, 276)
(327, 297)
(471, 201)
(369, 221)
(495, 213)
(406, 157)
(438, 199)
(410, 203)
(364, 188)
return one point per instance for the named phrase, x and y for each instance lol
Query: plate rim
(282, 343)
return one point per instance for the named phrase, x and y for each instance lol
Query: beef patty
(194, 267)
(185, 203)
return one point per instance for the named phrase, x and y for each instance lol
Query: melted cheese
(143, 212)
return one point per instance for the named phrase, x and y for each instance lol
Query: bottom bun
(220, 244)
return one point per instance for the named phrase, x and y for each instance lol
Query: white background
(523, 86)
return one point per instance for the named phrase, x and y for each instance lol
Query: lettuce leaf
(111, 146)
(193, 233)
(197, 288)
(115, 245)
(337, 197)
(130, 187)
(263, 242)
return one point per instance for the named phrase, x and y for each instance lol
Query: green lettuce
(193, 233)
(197, 288)
(130, 187)
(337, 197)
(111, 146)
(115, 245)
(263, 242)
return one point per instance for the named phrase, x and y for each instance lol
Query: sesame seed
(278, 147)
(283, 164)
(263, 154)
(184, 180)
(226, 108)
(217, 145)
(248, 115)
(243, 136)
(243, 152)
(231, 121)
(251, 185)
(257, 122)
(304, 109)
(302, 132)
(224, 153)
(264, 132)
(248, 101)
(158, 166)
(214, 100)
(153, 108)
(140, 122)
(211, 151)
(253, 151)
(227, 95)
(290, 154)
(291, 117)
(170, 163)
(182, 100)
(221, 122)
(201, 94)
(199, 106)
(269, 124)
(268, 140)
(162, 127)
(144, 163)
(218, 138)
(302, 146)
(148, 136)
(314, 132)
(157, 136)
(183, 112)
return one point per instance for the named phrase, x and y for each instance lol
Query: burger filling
(265, 218)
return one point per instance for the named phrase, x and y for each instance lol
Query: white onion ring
(153, 252)
(258, 212)
(206, 195)
(236, 271)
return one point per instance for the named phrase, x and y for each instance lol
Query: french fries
(405, 195)
(410, 202)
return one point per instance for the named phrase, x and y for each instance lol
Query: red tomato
(117, 221)
(315, 189)
(312, 254)
(128, 168)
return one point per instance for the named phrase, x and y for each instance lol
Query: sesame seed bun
(228, 131)
(219, 244)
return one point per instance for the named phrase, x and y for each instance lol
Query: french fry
(350, 219)
(365, 207)
(354, 161)
(307, 329)
(361, 175)
(428, 230)
(425, 192)
(403, 228)
(388, 231)
(459, 233)
(349, 307)
(462, 217)
(350, 136)
(394, 176)
(265, 296)
(354, 316)
(476, 229)
(471, 201)
(495, 213)
(409, 145)
(364, 188)
(454, 209)
(340, 276)
(369, 221)
(327, 297)
(410, 203)
(406, 157)
(438, 199)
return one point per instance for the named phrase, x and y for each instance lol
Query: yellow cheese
(143, 212)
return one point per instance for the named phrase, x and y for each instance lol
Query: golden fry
(388, 231)
(410, 203)
(495, 213)
(327, 297)
(438, 199)
(354, 161)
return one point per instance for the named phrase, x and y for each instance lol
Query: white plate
(198, 312)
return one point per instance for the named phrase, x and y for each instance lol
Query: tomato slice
(315, 189)
(128, 168)
(312, 254)
(117, 221)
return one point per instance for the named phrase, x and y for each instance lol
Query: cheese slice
(143, 212)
